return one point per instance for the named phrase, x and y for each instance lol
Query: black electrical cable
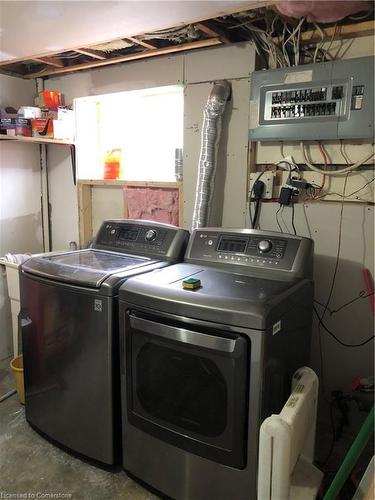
(293, 226)
(333, 441)
(258, 190)
(332, 283)
(277, 219)
(254, 222)
(336, 338)
(282, 218)
(362, 295)
(251, 196)
(321, 359)
(360, 189)
(348, 195)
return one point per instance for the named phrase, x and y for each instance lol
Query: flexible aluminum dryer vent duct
(211, 131)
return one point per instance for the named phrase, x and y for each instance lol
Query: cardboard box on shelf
(42, 127)
(29, 112)
(49, 113)
(65, 114)
(8, 126)
(23, 127)
(63, 129)
(15, 126)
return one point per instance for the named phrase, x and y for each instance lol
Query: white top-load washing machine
(69, 322)
(209, 349)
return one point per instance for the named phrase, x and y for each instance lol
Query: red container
(112, 164)
(49, 99)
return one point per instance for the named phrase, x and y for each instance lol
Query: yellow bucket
(17, 366)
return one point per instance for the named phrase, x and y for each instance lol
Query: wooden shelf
(126, 183)
(41, 140)
(35, 140)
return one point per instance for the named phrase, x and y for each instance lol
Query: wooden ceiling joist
(135, 38)
(57, 63)
(343, 31)
(129, 57)
(220, 29)
(138, 41)
(95, 54)
(206, 27)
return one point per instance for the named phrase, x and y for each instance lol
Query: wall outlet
(268, 179)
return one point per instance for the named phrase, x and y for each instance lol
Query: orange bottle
(112, 164)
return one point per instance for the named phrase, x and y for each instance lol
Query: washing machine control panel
(138, 237)
(248, 248)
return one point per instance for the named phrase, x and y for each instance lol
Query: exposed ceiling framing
(205, 33)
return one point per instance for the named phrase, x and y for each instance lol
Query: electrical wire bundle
(182, 34)
(279, 44)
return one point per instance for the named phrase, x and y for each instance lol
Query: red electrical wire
(325, 159)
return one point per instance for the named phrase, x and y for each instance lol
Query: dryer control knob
(150, 235)
(264, 246)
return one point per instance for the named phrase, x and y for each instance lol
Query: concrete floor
(30, 464)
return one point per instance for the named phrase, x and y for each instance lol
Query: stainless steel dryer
(69, 321)
(201, 368)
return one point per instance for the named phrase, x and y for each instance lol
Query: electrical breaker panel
(331, 100)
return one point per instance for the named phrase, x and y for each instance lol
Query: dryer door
(189, 387)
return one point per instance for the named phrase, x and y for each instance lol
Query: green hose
(351, 457)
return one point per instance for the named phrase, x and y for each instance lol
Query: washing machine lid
(224, 297)
(88, 268)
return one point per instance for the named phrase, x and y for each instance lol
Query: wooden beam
(339, 32)
(95, 54)
(138, 41)
(33, 57)
(51, 62)
(129, 57)
(35, 140)
(84, 213)
(124, 183)
(251, 5)
(206, 28)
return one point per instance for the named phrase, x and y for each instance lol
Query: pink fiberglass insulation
(320, 10)
(157, 204)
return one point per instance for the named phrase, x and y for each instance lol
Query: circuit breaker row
(303, 110)
(300, 95)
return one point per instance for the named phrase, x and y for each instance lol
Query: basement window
(144, 127)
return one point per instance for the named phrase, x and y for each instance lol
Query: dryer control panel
(139, 237)
(266, 251)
